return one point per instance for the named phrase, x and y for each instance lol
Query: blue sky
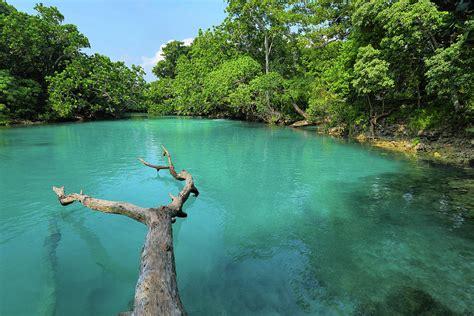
(133, 30)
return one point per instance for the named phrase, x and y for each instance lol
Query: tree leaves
(94, 86)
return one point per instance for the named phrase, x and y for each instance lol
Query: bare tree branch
(156, 292)
(176, 205)
(122, 208)
(158, 168)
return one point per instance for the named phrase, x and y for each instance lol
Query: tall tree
(33, 47)
(257, 27)
(37, 46)
(372, 79)
(166, 68)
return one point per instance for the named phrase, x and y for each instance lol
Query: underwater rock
(462, 194)
(412, 301)
(406, 301)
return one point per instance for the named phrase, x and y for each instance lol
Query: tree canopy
(94, 86)
(340, 61)
(44, 75)
(335, 62)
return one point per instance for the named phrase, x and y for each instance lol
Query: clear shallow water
(287, 222)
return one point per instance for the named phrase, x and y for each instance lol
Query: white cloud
(149, 62)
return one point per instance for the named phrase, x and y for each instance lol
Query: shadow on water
(112, 270)
(443, 193)
(96, 249)
(406, 301)
(51, 242)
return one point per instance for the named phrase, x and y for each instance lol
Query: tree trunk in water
(156, 292)
(301, 123)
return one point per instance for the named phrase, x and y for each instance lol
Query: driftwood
(156, 292)
(301, 123)
(306, 122)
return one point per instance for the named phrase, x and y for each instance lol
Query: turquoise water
(288, 222)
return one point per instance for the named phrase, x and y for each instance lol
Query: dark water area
(288, 222)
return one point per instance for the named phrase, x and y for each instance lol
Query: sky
(134, 31)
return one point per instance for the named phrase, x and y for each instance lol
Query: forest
(347, 63)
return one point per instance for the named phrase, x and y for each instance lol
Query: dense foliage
(45, 76)
(341, 62)
(92, 86)
(346, 63)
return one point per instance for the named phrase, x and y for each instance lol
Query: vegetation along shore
(349, 67)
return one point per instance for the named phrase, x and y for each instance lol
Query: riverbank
(444, 146)
(453, 151)
(440, 147)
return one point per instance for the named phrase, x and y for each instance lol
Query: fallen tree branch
(156, 292)
(382, 115)
(176, 205)
(123, 208)
(300, 111)
(158, 168)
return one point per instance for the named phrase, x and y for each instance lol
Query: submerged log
(156, 292)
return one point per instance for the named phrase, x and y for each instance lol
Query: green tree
(411, 35)
(33, 47)
(166, 68)
(261, 98)
(372, 79)
(94, 86)
(450, 74)
(16, 97)
(37, 46)
(208, 51)
(261, 29)
(219, 83)
(159, 96)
